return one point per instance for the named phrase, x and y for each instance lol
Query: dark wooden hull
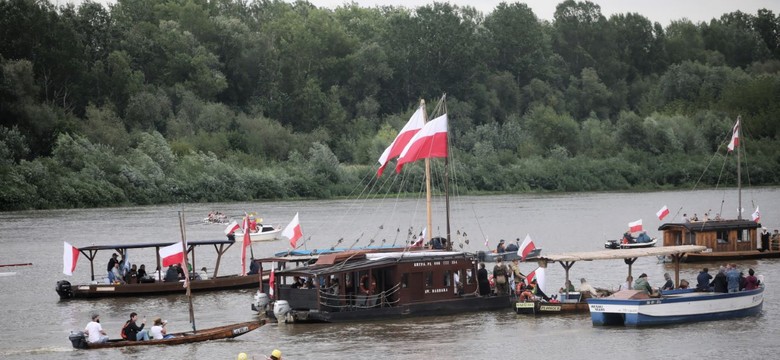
(464, 304)
(546, 308)
(730, 255)
(217, 333)
(158, 288)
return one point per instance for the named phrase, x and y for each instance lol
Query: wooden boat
(368, 285)
(78, 340)
(573, 302)
(724, 239)
(98, 290)
(382, 285)
(618, 244)
(636, 308)
(222, 332)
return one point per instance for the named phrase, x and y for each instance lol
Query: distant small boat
(78, 339)
(618, 244)
(264, 233)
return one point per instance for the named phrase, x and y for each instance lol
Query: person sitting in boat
(684, 284)
(142, 275)
(627, 285)
(627, 238)
(115, 272)
(501, 247)
(751, 281)
(131, 276)
(537, 291)
(669, 284)
(526, 293)
(642, 284)
(204, 273)
(732, 278)
(587, 289)
(158, 330)
(179, 271)
(94, 331)
(134, 332)
(171, 275)
(703, 280)
(513, 247)
(720, 283)
(298, 283)
(567, 287)
(643, 237)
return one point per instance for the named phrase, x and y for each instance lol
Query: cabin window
(404, 280)
(691, 238)
(468, 277)
(447, 277)
(742, 235)
(723, 237)
(429, 279)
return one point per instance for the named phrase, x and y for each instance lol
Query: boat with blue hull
(636, 308)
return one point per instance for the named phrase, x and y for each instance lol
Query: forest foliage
(163, 101)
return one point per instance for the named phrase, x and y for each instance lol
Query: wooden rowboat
(222, 332)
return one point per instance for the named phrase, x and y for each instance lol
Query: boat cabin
(716, 235)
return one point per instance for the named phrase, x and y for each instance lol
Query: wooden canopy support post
(91, 258)
(677, 258)
(221, 249)
(566, 267)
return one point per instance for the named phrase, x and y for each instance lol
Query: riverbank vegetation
(149, 101)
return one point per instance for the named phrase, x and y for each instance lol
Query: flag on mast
(293, 231)
(635, 226)
(756, 215)
(734, 136)
(415, 123)
(662, 213)
(69, 259)
(526, 247)
(429, 142)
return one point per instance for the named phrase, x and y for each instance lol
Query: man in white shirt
(94, 331)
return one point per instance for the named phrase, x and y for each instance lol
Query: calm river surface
(34, 323)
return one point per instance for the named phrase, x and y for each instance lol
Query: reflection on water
(559, 223)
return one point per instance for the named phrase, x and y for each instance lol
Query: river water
(35, 324)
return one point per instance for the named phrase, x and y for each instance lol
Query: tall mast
(447, 177)
(427, 179)
(739, 167)
(186, 269)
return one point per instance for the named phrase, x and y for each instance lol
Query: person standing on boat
(669, 284)
(95, 332)
(518, 276)
(764, 239)
(482, 280)
(110, 268)
(500, 277)
(703, 280)
(732, 278)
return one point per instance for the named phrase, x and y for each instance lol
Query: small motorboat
(619, 244)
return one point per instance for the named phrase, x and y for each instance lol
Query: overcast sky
(663, 11)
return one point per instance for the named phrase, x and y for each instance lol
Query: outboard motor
(63, 289)
(261, 302)
(78, 340)
(281, 309)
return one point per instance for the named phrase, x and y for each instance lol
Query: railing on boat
(359, 302)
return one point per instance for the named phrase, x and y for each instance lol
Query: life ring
(371, 284)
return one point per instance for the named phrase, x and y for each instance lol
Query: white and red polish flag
(756, 215)
(635, 226)
(429, 142)
(69, 258)
(662, 213)
(272, 281)
(734, 136)
(530, 277)
(415, 123)
(246, 242)
(526, 247)
(293, 231)
(420, 240)
(172, 254)
(232, 227)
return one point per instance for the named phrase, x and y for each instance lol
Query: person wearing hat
(500, 276)
(275, 355)
(642, 284)
(158, 330)
(94, 331)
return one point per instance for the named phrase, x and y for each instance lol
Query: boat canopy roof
(154, 245)
(624, 253)
(361, 260)
(712, 225)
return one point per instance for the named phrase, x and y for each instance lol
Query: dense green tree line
(158, 101)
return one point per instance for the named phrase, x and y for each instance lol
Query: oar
(20, 264)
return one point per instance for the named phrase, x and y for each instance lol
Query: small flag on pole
(635, 226)
(662, 213)
(526, 247)
(486, 242)
(69, 258)
(232, 227)
(293, 231)
(756, 215)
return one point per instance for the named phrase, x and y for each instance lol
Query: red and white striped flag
(756, 215)
(293, 231)
(429, 142)
(232, 227)
(734, 136)
(662, 213)
(272, 281)
(635, 226)
(415, 123)
(244, 244)
(172, 254)
(530, 277)
(69, 258)
(526, 247)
